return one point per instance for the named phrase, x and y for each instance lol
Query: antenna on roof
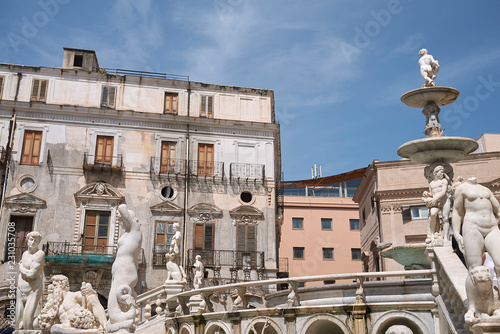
(316, 171)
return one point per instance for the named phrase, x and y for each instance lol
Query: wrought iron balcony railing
(93, 162)
(228, 258)
(66, 248)
(159, 166)
(202, 168)
(247, 171)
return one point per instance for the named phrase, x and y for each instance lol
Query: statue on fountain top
(429, 68)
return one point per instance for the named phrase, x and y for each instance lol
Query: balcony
(64, 253)
(167, 168)
(239, 171)
(213, 169)
(228, 258)
(97, 163)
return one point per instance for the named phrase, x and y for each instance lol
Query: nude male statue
(476, 210)
(439, 203)
(30, 282)
(429, 68)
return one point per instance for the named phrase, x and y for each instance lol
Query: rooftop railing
(144, 74)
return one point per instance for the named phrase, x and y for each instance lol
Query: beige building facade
(80, 140)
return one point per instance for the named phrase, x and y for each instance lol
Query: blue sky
(337, 68)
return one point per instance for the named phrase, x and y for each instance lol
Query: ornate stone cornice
(204, 212)
(99, 190)
(246, 214)
(167, 208)
(24, 203)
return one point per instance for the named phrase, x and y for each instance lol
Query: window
(297, 223)
(104, 150)
(95, 238)
(326, 223)
(415, 212)
(301, 284)
(205, 159)
(78, 61)
(32, 144)
(163, 236)
(167, 164)
(298, 253)
(108, 97)
(327, 253)
(356, 253)
(206, 107)
(354, 223)
(329, 282)
(246, 238)
(204, 236)
(39, 90)
(170, 103)
(1, 86)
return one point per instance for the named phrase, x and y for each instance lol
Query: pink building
(320, 231)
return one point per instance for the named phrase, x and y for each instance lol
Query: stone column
(289, 315)
(235, 319)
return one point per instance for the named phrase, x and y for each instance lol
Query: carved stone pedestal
(194, 303)
(492, 326)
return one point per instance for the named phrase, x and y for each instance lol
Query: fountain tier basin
(437, 149)
(419, 98)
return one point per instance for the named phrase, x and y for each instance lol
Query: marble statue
(481, 295)
(175, 273)
(66, 311)
(476, 210)
(121, 302)
(175, 244)
(429, 68)
(438, 200)
(199, 273)
(29, 282)
(398, 329)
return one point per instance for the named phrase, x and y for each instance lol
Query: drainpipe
(8, 149)
(186, 184)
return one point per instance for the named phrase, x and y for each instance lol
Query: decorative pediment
(205, 212)
(24, 203)
(167, 208)
(246, 214)
(99, 190)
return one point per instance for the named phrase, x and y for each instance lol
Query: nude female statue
(121, 303)
(476, 210)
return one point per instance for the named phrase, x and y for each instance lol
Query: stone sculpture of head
(398, 329)
(423, 52)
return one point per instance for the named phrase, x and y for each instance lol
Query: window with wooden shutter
(104, 150)
(204, 236)
(108, 97)
(39, 90)
(95, 236)
(207, 106)
(1, 86)
(246, 238)
(205, 159)
(32, 144)
(163, 236)
(167, 164)
(171, 102)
